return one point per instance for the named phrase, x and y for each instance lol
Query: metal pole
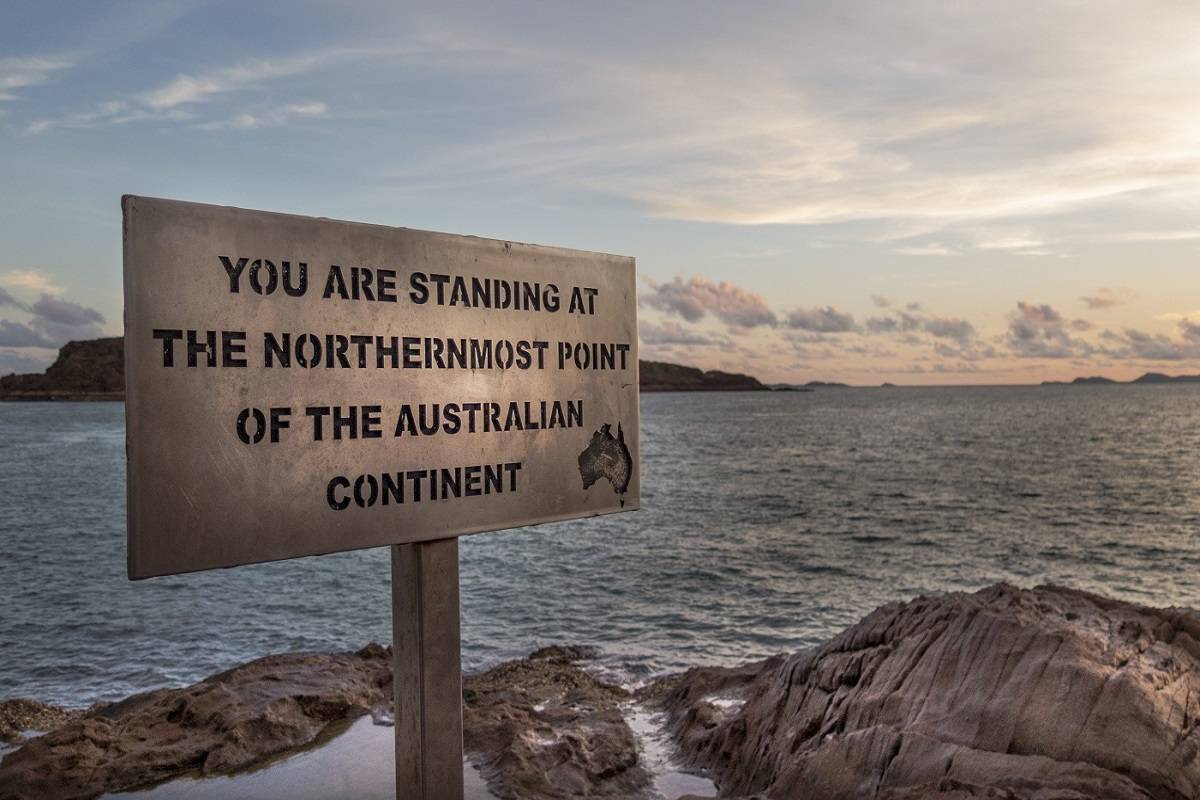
(427, 671)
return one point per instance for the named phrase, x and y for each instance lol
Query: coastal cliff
(85, 370)
(95, 370)
(1005, 693)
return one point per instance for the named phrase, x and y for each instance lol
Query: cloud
(909, 322)
(1138, 344)
(20, 73)
(61, 320)
(949, 328)
(12, 361)
(53, 322)
(821, 320)
(176, 99)
(204, 86)
(673, 334)
(1190, 330)
(880, 301)
(1039, 331)
(932, 249)
(17, 334)
(1105, 298)
(29, 279)
(272, 117)
(697, 297)
(7, 299)
(1176, 316)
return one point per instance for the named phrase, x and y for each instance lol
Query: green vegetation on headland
(1149, 377)
(95, 370)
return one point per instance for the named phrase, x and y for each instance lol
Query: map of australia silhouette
(606, 457)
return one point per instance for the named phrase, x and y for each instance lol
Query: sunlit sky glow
(911, 192)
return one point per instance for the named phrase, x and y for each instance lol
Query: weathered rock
(540, 727)
(220, 725)
(1049, 693)
(544, 728)
(22, 715)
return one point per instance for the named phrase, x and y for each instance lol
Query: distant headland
(95, 370)
(660, 376)
(1149, 377)
(88, 370)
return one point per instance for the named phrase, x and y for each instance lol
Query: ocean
(769, 522)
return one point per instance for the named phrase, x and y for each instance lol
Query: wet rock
(22, 715)
(1049, 693)
(225, 723)
(544, 728)
(539, 727)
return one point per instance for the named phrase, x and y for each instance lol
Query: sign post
(300, 386)
(426, 668)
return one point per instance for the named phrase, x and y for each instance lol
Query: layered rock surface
(1049, 693)
(540, 727)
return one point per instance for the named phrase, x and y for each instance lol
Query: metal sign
(298, 386)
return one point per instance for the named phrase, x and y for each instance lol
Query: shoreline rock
(1041, 694)
(538, 727)
(1005, 693)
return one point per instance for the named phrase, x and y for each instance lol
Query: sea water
(769, 522)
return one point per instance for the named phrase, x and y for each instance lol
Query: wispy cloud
(932, 249)
(180, 98)
(756, 129)
(29, 279)
(18, 73)
(1105, 298)
(205, 86)
(271, 117)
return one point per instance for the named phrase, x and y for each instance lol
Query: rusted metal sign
(298, 386)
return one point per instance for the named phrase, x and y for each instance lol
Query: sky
(918, 193)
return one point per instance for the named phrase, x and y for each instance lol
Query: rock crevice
(1050, 692)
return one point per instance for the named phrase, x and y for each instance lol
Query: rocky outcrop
(1007, 694)
(225, 723)
(1049, 693)
(659, 376)
(87, 370)
(543, 728)
(21, 715)
(540, 727)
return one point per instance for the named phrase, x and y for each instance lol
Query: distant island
(95, 370)
(1149, 377)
